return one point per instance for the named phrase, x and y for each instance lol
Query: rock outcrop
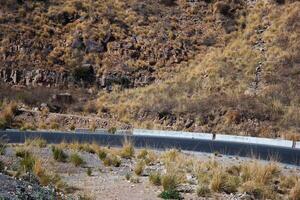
(65, 79)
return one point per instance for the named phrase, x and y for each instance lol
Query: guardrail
(218, 137)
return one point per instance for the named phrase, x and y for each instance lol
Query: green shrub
(102, 154)
(155, 178)
(170, 194)
(89, 171)
(27, 163)
(76, 160)
(58, 154)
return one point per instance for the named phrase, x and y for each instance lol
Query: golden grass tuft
(128, 150)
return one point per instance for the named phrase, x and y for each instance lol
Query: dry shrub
(128, 150)
(6, 115)
(295, 192)
(139, 168)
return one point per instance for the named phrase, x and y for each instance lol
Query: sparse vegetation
(36, 142)
(27, 162)
(112, 130)
(89, 171)
(3, 145)
(155, 178)
(203, 191)
(127, 150)
(112, 160)
(76, 160)
(28, 127)
(102, 154)
(139, 168)
(22, 153)
(58, 154)
(8, 110)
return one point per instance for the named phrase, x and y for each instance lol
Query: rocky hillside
(207, 65)
(103, 43)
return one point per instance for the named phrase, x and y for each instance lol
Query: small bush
(28, 126)
(3, 145)
(169, 182)
(139, 168)
(112, 161)
(112, 130)
(2, 167)
(58, 154)
(253, 188)
(203, 191)
(76, 160)
(170, 194)
(127, 176)
(89, 171)
(134, 179)
(102, 154)
(54, 126)
(143, 154)
(7, 114)
(27, 163)
(22, 153)
(155, 178)
(127, 150)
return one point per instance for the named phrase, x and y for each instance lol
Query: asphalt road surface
(260, 151)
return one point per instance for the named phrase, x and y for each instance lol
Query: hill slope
(219, 66)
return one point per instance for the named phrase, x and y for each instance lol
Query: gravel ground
(110, 182)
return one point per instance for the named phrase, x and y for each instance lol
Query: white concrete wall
(178, 134)
(254, 140)
(219, 137)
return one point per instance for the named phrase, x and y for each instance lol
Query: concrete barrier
(297, 145)
(176, 134)
(254, 140)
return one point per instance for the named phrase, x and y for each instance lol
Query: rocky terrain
(227, 66)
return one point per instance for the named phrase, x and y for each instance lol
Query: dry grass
(7, 113)
(36, 142)
(128, 150)
(295, 192)
(76, 160)
(139, 168)
(215, 92)
(155, 178)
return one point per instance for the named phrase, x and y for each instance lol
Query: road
(266, 152)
